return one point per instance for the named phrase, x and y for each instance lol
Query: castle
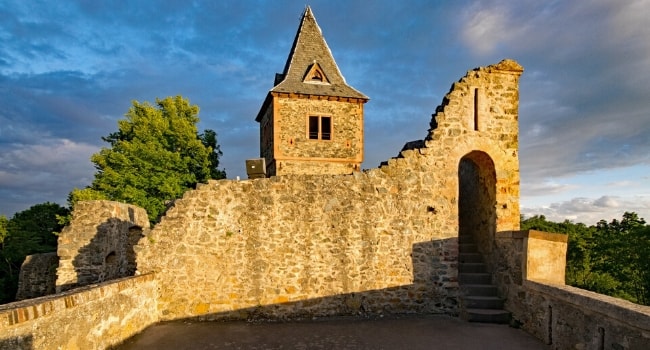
(427, 232)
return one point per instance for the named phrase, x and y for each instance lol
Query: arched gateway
(477, 199)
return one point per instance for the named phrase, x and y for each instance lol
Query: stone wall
(98, 243)
(380, 241)
(291, 114)
(88, 318)
(570, 318)
(284, 126)
(531, 276)
(527, 255)
(384, 240)
(37, 276)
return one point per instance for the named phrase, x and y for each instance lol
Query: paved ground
(413, 332)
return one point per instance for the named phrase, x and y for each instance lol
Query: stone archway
(477, 199)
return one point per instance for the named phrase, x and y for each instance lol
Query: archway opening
(477, 199)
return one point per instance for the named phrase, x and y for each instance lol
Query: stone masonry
(383, 240)
(297, 154)
(98, 244)
(375, 242)
(37, 276)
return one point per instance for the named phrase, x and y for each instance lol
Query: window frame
(315, 131)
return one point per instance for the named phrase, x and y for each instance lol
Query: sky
(69, 71)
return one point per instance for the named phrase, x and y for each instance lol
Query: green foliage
(86, 194)
(155, 156)
(623, 251)
(609, 258)
(3, 228)
(209, 139)
(27, 232)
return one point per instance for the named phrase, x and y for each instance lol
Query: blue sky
(70, 69)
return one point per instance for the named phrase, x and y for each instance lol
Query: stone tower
(311, 121)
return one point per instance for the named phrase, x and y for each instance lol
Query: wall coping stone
(549, 236)
(30, 309)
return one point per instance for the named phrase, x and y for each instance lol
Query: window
(476, 101)
(320, 127)
(315, 75)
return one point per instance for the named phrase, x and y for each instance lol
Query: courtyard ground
(395, 332)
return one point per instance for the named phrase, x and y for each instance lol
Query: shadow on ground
(394, 332)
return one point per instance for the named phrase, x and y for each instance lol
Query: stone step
(470, 258)
(482, 302)
(487, 316)
(471, 267)
(485, 290)
(475, 278)
(479, 301)
(468, 247)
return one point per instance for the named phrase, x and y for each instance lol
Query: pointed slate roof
(310, 53)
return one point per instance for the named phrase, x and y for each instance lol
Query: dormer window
(315, 75)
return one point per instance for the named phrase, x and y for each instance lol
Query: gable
(315, 75)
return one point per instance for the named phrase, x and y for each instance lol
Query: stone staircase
(479, 300)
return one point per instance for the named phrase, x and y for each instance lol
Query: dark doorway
(477, 199)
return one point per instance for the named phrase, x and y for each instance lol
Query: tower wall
(296, 153)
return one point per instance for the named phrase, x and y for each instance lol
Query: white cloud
(591, 210)
(49, 155)
(43, 172)
(545, 188)
(486, 28)
(606, 202)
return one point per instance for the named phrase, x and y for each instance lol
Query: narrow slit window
(319, 128)
(476, 109)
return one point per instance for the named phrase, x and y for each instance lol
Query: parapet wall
(88, 318)
(531, 277)
(570, 318)
(384, 240)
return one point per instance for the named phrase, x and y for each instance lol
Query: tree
(611, 258)
(3, 228)
(28, 232)
(155, 156)
(579, 266)
(209, 139)
(622, 247)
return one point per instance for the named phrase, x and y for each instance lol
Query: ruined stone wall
(342, 154)
(87, 318)
(384, 240)
(37, 276)
(98, 243)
